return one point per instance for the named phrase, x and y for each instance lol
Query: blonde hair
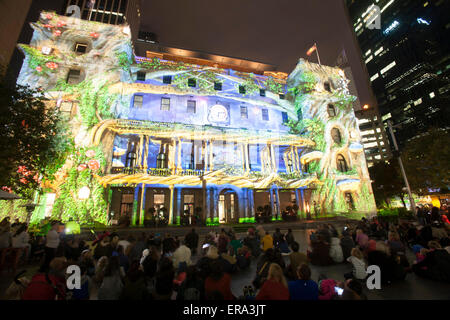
(276, 273)
(212, 252)
(357, 253)
(381, 246)
(434, 245)
(393, 236)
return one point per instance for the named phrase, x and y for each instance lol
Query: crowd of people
(163, 267)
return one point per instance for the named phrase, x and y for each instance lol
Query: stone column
(171, 188)
(251, 202)
(272, 206)
(179, 207)
(277, 198)
(135, 205)
(297, 202)
(142, 205)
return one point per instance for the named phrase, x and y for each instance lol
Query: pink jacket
(327, 289)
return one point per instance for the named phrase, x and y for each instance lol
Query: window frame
(265, 112)
(242, 113)
(135, 106)
(190, 106)
(141, 73)
(69, 76)
(165, 104)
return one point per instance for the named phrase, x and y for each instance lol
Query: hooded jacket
(336, 250)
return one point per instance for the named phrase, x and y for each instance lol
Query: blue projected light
(422, 21)
(393, 25)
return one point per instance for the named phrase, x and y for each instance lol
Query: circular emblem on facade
(218, 113)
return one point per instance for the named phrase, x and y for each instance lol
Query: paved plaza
(413, 288)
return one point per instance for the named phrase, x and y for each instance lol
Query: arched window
(349, 200)
(130, 161)
(341, 164)
(331, 111)
(336, 135)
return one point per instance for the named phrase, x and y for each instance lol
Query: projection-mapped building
(192, 135)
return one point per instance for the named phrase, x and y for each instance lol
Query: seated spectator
(382, 258)
(48, 286)
(304, 288)
(204, 264)
(395, 245)
(296, 259)
(347, 244)
(84, 292)
(243, 258)
(358, 265)
(164, 280)
(353, 290)
(275, 287)
(223, 241)
(112, 285)
(228, 262)
(218, 281)
(320, 254)
(436, 265)
(362, 239)
(327, 289)
(135, 287)
(252, 242)
(336, 250)
(192, 287)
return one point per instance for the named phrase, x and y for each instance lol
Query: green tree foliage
(33, 140)
(426, 160)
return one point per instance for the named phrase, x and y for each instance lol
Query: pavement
(412, 288)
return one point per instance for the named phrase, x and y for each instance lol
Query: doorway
(228, 206)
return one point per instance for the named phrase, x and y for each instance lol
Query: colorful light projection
(193, 140)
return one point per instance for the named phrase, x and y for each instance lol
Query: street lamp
(411, 200)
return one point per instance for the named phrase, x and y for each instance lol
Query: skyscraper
(407, 57)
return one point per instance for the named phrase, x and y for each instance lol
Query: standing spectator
(103, 247)
(21, 239)
(164, 280)
(267, 242)
(135, 287)
(51, 244)
(277, 237)
(168, 245)
(223, 242)
(290, 238)
(5, 234)
(193, 287)
(235, 244)
(275, 287)
(182, 255)
(304, 288)
(191, 241)
(320, 254)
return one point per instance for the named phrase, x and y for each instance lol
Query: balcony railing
(198, 173)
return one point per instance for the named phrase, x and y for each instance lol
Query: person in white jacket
(181, 254)
(336, 250)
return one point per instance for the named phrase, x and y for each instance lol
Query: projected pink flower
(57, 33)
(94, 164)
(7, 189)
(61, 24)
(90, 153)
(94, 35)
(48, 26)
(39, 69)
(49, 16)
(51, 65)
(82, 167)
(23, 180)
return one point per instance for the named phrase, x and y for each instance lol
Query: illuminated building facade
(192, 135)
(408, 61)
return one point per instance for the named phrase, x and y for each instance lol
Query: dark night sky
(277, 32)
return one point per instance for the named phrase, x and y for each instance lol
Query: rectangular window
(165, 104)
(281, 95)
(218, 86)
(241, 89)
(265, 114)
(138, 101)
(262, 92)
(141, 76)
(285, 117)
(81, 48)
(191, 106)
(244, 112)
(74, 76)
(388, 67)
(192, 83)
(167, 79)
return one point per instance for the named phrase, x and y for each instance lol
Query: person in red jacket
(218, 283)
(48, 286)
(275, 287)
